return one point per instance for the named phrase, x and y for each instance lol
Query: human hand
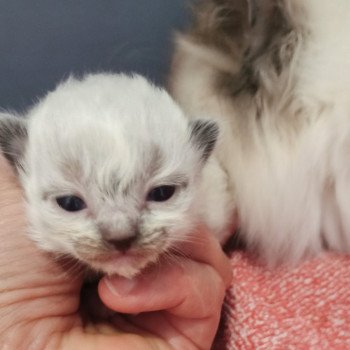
(179, 303)
(172, 306)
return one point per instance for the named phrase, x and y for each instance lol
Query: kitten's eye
(71, 203)
(161, 193)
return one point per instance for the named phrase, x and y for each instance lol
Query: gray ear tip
(13, 137)
(214, 126)
(207, 125)
(204, 134)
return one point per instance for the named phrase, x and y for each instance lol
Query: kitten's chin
(126, 265)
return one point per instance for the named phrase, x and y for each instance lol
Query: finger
(190, 296)
(192, 290)
(105, 338)
(205, 248)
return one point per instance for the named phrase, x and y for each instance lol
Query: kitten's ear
(13, 139)
(204, 134)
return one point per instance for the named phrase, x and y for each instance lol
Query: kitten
(112, 171)
(276, 75)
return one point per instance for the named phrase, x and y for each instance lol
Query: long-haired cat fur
(275, 75)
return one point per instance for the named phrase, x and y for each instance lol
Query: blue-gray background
(43, 41)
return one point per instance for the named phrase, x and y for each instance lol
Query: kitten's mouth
(126, 264)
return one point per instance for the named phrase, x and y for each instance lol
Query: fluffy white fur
(110, 139)
(289, 169)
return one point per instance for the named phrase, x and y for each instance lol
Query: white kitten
(276, 75)
(111, 170)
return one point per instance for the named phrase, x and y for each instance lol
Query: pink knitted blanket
(307, 307)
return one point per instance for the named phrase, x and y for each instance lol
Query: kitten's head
(110, 168)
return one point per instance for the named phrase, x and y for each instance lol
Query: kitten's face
(111, 168)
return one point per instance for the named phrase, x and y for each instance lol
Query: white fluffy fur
(289, 175)
(110, 139)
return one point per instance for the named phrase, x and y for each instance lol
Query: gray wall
(42, 41)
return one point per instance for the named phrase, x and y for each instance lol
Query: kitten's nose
(122, 244)
(121, 240)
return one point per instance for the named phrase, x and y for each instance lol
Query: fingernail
(120, 286)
